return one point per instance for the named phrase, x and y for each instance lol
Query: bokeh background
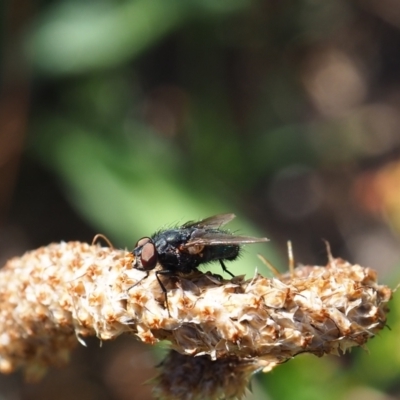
(125, 116)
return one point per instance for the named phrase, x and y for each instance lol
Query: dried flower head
(195, 378)
(55, 296)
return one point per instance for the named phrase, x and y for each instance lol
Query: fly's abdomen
(222, 252)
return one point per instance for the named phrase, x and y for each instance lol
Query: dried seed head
(196, 378)
(54, 296)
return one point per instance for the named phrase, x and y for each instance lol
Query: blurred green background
(123, 117)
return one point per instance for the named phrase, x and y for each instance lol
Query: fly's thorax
(171, 239)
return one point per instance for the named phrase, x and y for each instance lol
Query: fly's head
(145, 254)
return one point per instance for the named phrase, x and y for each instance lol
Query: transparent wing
(205, 238)
(213, 222)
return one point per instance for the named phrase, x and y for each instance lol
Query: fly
(183, 249)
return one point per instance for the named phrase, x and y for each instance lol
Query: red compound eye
(149, 256)
(141, 242)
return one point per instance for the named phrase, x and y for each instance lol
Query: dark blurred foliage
(122, 116)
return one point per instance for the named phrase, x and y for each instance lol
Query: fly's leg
(137, 283)
(164, 272)
(226, 269)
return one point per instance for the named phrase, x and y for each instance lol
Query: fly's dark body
(182, 250)
(175, 256)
